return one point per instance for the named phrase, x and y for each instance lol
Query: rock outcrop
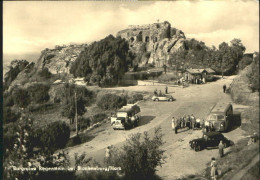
(59, 59)
(159, 40)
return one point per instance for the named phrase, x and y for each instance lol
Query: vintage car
(163, 98)
(209, 140)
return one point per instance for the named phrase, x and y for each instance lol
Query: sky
(29, 27)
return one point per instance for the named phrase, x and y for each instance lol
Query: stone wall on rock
(159, 39)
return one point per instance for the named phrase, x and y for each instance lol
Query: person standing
(221, 149)
(176, 126)
(173, 124)
(160, 93)
(155, 92)
(213, 165)
(193, 120)
(166, 90)
(224, 88)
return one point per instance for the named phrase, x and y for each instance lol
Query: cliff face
(59, 59)
(159, 40)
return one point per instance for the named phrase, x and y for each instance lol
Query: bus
(221, 116)
(126, 117)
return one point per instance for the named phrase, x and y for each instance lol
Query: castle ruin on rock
(159, 40)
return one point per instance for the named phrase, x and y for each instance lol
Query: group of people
(160, 92)
(186, 121)
(192, 123)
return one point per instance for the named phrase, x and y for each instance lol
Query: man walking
(224, 88)
(221, 149)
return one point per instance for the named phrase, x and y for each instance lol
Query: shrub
(45, 73)
(9, 135)
(167, 77)
(111, 102)
(39, 92)
(8, 101)
(54, 136)
(138, 97)
(21, 97)
(140, 156)
(99, 118)
(9, 115)
(253, 75)
(84, 123)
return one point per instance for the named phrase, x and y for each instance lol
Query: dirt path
(181, 160)
(243, 171)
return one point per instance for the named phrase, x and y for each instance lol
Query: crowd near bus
(219, 119)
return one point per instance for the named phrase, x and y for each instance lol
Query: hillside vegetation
(103, 62)
(197, 55)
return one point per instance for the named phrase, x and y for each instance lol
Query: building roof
(195, 71)
(209, 70)
(199, 71)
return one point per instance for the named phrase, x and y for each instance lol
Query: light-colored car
(163, 98)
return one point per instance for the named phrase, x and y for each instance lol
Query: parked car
(163, 98)
(209, 140)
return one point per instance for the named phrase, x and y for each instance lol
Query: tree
(16, 66)
(103, 62)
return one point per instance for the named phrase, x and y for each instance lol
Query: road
(181, 160)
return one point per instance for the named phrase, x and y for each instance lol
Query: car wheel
(156, 99)
(197, 148)
(171, 100)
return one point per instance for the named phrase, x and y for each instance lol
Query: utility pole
(76, 113)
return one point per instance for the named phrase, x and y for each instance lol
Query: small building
(198, 76)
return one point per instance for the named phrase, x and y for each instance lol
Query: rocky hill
(157, 40)
(156, 44)
(59, 59)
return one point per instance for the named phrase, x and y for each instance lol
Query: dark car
(209, 140)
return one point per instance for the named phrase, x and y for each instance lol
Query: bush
(39, 92)
(99, 118)
(8, 101)
(167, 77)
(138, 97)
(84, 123)
(54, 136)
(140, 156)
(21, 97)
(9, 135)
(9, 115)
(253, 75)
(111, 102)
(245, 61)
(45, 73)
(135, 98)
